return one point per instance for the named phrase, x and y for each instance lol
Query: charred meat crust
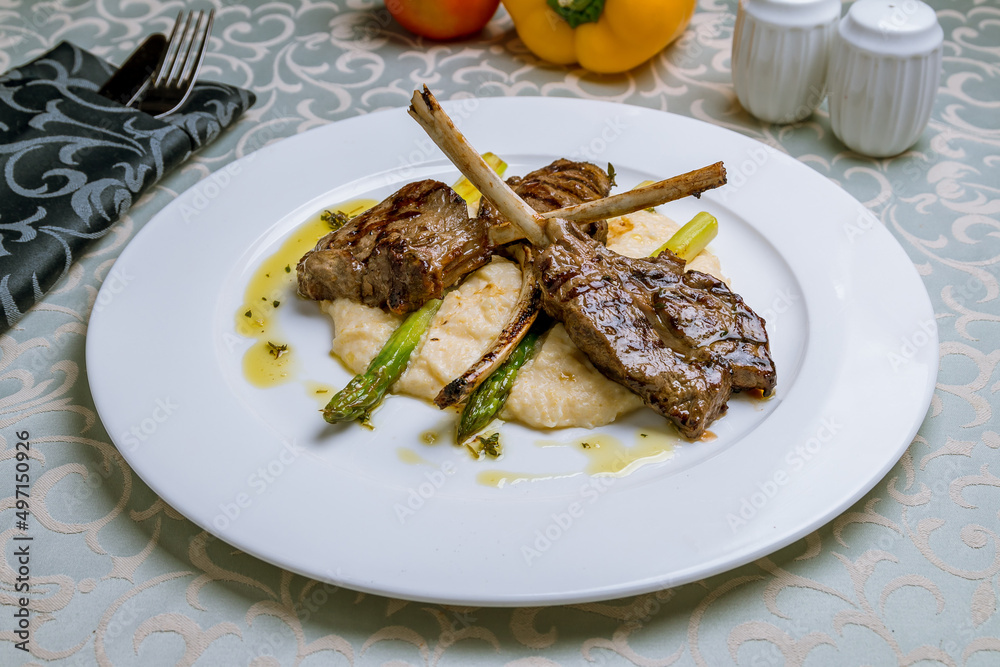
(695, 309)
(595, 298)
(682, 341)
(557, 185)
(399, 254)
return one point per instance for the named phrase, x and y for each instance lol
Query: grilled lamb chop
(610, 303)
(697, 310)
(694, 314)
(607, 303)
(399, 254)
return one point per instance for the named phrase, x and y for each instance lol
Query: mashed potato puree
(558, 387)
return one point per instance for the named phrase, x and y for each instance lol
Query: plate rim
(722, 564)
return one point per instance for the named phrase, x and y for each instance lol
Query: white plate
(851, 326)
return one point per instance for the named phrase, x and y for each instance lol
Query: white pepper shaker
(780, 53)
(884, 74)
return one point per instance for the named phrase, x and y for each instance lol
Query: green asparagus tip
(364, 393)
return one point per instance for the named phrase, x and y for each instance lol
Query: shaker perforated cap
(900, 28)
(793, 13)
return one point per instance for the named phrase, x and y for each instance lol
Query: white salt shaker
(884, 74)
(779, 59)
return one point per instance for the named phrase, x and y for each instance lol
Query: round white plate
(851, 326)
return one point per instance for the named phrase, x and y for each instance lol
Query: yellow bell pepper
(602, 35)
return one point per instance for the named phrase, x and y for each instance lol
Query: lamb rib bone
(425, 110)
(693, 183)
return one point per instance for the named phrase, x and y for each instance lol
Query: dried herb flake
(491, 445)
(334, 219)
(276, 350)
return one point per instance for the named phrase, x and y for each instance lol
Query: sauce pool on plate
(270, 361)
(607, 457)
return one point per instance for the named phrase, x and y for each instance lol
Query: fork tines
(179, 67)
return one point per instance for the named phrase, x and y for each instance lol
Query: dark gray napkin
(72, 162)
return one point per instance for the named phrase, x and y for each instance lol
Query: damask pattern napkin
(72, 162)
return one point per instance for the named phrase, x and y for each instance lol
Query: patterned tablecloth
(908, 575)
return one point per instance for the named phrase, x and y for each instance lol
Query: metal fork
(171, 85)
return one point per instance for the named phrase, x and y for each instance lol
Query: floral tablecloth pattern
(909, 575)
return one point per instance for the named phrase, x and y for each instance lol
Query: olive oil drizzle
(611, 457)
(271, 360)
(607, 457)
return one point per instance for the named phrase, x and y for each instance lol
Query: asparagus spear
(365, 391)
(486, 402)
